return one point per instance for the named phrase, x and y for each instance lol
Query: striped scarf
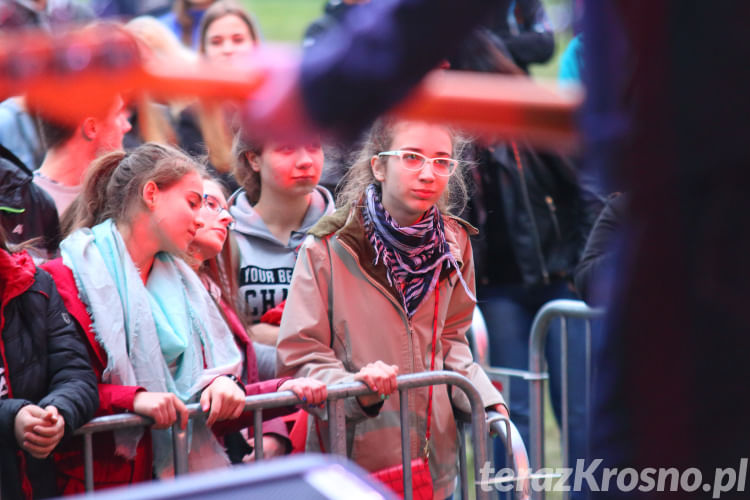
(413, 256)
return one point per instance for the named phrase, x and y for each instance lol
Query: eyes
(236, 39)
(287, 149)
(194, 201)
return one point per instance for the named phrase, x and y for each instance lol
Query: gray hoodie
(265, 263)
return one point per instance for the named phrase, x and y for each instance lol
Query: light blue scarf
(166, 335)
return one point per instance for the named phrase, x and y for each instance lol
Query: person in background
(70, 150)
(228, 37)
(47, 388)
(280, 201)
(393, 242)
(184, 20)
(211, 258)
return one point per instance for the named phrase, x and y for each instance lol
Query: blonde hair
(379, 139)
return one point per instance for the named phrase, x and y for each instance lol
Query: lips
(221, 231)
(423, 193)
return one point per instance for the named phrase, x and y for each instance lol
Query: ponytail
(90, 206)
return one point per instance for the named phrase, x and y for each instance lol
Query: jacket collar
(16, 274)
(347, 225)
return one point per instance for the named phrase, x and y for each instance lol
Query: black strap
(8, 155)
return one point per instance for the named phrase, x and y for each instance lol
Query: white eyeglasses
(414, 161)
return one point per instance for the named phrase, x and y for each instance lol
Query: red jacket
(110, 469)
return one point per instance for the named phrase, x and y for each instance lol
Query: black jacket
(595, 272)
(26, 210)
(534, 216)
(45, 364)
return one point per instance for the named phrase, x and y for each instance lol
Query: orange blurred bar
(77, 75)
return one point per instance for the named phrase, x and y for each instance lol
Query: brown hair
(359, 176)
(248, 178)
(114, 183)
(225, 8)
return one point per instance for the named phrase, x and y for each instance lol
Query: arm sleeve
(598, 255)
(72, 382)
(305, 337)
(457, 355)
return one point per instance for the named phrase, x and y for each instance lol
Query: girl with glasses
(211, 258)
(376, 282)
(279, 202)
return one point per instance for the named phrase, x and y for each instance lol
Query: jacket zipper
(399, 307)
(553, 214)
(527, 203)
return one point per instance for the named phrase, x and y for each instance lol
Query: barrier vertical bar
(179, 449)
(403, 398)
(337, 426)
(564, 395)
(258, 433)
(463, 474)
(588, 374)
(88, 462)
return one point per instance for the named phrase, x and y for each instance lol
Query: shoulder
(457, 224)
(331, 223)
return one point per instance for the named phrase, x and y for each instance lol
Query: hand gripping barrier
(336, 396)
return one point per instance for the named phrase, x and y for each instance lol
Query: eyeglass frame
(219, 212)
(399, 152)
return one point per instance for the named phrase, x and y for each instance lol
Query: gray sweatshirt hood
(250, 223)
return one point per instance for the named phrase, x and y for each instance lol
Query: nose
(225, 218)
(227, 48)
(199, 223)
(304, 159)
(126, 126)
(427, 174)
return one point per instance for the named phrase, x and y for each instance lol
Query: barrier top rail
(77, 74)
(336, 395)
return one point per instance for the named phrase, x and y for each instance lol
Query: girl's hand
(164, 407)
(379, 377)
(309, 390)
(38, 431)
(224, 399)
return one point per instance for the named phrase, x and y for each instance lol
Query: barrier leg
(405, 442)
(462, 472)
(258, 433)
(337, 426)
(179, 449)
(88, 462)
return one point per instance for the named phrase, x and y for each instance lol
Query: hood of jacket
(250, 223)
(16, 274)
(12, 179)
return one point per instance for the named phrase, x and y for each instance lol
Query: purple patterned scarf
(413, 256)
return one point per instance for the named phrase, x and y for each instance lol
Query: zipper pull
(550, 202)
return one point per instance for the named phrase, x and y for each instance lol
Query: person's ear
(89, 129)
(378, 168)
(150, 194)
(253, 160)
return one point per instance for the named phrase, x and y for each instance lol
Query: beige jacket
(341, 314)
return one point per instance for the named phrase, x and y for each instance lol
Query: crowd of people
(179, 256)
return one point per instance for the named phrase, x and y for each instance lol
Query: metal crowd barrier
(563, 309)
(337, 427)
